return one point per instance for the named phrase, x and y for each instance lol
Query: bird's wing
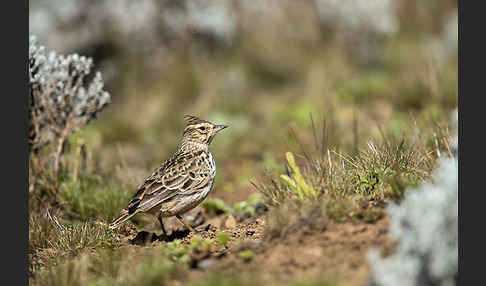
(183, 173)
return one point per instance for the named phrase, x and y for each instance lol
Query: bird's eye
(202, 128)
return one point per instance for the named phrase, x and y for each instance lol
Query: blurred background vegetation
(369, 69)
(262, 67)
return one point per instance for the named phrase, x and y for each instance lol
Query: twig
(347, 160)
(447, 148)
(56, 222)
(330, 164)
(78, 158)
(436, 145)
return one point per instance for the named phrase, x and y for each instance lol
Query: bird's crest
(191, 120)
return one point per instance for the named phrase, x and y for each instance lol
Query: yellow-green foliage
(246, 255)
(250, 205)
(179, 252)
(198, 244)
(297, 184)
(222, 238)
(92, 197)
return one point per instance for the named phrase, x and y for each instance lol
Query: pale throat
(187, 145)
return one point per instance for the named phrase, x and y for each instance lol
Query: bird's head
(199, 131)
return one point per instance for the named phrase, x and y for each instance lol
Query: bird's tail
(124, 216)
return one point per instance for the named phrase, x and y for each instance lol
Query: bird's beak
(221, 127)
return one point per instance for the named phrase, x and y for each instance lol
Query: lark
(180, 183)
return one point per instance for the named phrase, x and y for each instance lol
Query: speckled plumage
(180, 183)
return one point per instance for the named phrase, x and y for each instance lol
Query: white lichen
(61, 97)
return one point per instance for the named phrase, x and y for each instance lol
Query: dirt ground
(338, 253)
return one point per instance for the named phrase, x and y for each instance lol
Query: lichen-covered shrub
(63, 95)
(425, 226)
(73, 25)
(165, 26)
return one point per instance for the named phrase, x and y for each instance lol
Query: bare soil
(338, 253)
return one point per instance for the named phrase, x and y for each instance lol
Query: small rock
(230, 222)
(260, 221)
(248, 244)
(215, 221)
(196, 218)
(205, 264)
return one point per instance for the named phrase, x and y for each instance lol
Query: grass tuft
(356, 185)
(222, 238)
(90, 197)
(246, 255)
(51, 240)
(114, 267)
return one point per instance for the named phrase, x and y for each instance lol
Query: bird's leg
(185, 223)
(159, 217)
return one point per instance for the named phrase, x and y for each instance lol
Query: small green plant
(296, 183)
(368, 182)
(177, 251)
(250, 205)
(200, 244)
(180, 252)
(222, 238)
(246, 255)
(216, 206)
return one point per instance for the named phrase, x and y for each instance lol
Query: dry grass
(358, 184)
(51, 241)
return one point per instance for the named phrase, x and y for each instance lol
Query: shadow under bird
(180, 183)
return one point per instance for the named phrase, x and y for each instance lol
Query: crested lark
(180, 183)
